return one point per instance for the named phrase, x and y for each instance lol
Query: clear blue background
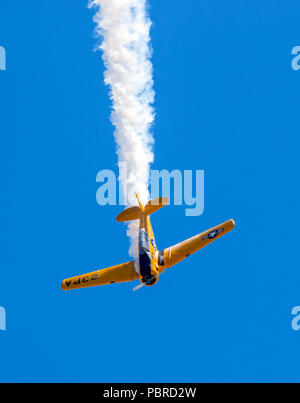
(227, 101)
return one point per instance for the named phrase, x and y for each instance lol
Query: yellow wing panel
(175, 254)
(115, 274)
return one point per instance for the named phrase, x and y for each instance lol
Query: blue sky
(227, 102)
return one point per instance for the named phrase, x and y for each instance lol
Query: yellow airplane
(151, 262)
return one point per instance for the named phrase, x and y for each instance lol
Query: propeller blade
(141, 285)
(138, 287)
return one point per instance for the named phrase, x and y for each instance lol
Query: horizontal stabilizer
(131, 213)
(156, 204)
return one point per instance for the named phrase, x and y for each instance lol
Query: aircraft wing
(115, 274)
(175, 254)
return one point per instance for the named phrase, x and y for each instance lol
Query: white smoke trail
(124, 27)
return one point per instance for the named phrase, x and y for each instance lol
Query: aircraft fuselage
(148, 266)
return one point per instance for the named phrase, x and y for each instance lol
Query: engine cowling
(149, 280)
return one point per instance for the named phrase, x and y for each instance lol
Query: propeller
(141, 285)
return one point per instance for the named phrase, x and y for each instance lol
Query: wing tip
(63, 286)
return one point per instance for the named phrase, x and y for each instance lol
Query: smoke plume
(123, 27)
